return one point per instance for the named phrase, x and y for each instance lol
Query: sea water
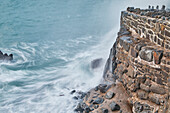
(54, 42)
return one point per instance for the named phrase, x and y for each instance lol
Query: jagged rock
(1, 56)
(96, 63)
(109, 95)
(6, 57)
(157, 89)
(114, 106)
(99, 100)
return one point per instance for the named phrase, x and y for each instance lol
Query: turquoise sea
(54, 42)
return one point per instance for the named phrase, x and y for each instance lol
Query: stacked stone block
(144, 57)
(138, 67)
(148, 25)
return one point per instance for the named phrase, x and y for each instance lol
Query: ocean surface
(54, 42)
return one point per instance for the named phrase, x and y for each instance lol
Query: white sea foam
(43, 73)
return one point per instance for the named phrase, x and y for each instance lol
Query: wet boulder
(99, 100)
(105, 110)
(114, 106)
(109, 95)
(102, 88)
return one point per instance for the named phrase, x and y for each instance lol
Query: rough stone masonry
(137, 73)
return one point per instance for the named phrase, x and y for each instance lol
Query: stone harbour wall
(144, 61)
(153, 25)
(137, 73)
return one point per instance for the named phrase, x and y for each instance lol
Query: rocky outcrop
(96, 63)
(6, 57)
(137, 72)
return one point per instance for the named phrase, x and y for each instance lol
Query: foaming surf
(43, 89)
(53, 43)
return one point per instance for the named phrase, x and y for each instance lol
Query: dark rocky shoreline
(137, 73)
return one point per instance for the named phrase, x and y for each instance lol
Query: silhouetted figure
(149, 7)
(157, 7)
(152, 7)
(163, 7)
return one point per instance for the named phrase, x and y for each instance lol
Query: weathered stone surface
(154, 99)
(158, 27)
(167, 33)
(134, 53)
(157, 55)
(145, 87)
(124, 33)
(125, 40)
(146, 54)
(142, 94)
(139, 60)
(157, 89)
(114, 106)
(142, 108)
(131, 72)
(109, 95)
